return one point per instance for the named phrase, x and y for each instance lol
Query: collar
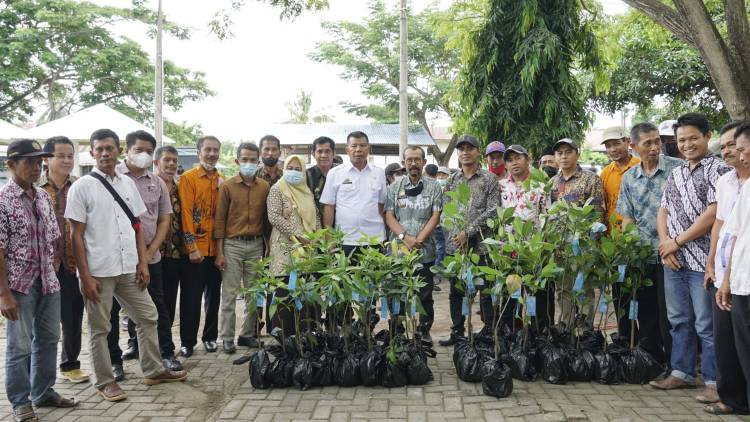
(203, 173)
(349, 166)
(631, 163)
(270, 170)
(708, 159)
(661, 166)
(238, 179)
(45, 180)
(124, 169)
(406, 182)
(511, 179)
(575, 175)
(117, 175)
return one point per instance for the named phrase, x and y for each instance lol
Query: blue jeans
(439, 236)
(31, 350)
(691, 317)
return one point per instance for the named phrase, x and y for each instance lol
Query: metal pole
(159, 83)
(403, 102)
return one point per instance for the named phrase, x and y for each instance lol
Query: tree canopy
(300, 110)
(518, 79)
(368, 52)
(60, 55)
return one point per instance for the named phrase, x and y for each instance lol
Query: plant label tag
(355, 296)
(621, 272)
(531, 305)
(293, 280)
(298, 304)
(516, 294)
(494, 299)
(603, 305)
(633, 310)
(396, 306)
(260, 299)
(576, 246)
(465, 306)
(578, 285)
(470, 282)
(412, 309)
(383, 307)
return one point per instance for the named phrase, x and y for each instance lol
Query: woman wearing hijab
(292, 213)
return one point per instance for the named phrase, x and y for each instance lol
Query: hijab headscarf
(300, 195)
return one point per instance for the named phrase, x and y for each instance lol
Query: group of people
(125, 236)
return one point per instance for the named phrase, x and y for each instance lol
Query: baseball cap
(615, 132)
(392, 168)
(444, 170)
(26, 148)
(517, 149)
(495, 146)
(467, 139)
(431, 169)
(666, 128)
(565, 141)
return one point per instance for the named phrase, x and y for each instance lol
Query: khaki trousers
(236, 252)
(140, 308)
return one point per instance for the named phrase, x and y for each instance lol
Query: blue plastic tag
(518, 309)
(298, 304)
(576, 246)
(516, 294)
(260, 299)
(293, 280)
(333, 300)
(531, 305)
(396, 306)
(598, 228)
(470, 281)
(465, 306)
(603, 305)
(273, 298)
(383, 307)
(355, 296)
(633, 310)
(494, 299)
(621, 272)
(578, 285)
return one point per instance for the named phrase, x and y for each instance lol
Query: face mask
(248, 169)
(442, 182)
(498, 171)
(551, 171)
(142, 160)
(293, 177)
(397, 179)
(671, 150)
(270, 161)
(208, 167)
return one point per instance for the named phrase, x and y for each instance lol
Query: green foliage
(518, 76)
(645, 63)
(62, 54)
(183, 133)
(301, 108)
(590, 157)
(221, 23)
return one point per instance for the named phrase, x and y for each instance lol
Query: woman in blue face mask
(292, 213)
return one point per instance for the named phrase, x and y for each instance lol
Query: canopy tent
(10, 131)
(80, 125)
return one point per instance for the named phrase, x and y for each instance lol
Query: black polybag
(302, 376)
(554, 366)
(467, 361)
(522, 363)
(639, 367)
(347, 370)
(496, 379)
(281, 372)
(260, 366)
(323, 370)
(581, 365)
(371, 367)
(417, 371)
(393, 375)
(607, 368)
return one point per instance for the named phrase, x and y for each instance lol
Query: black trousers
(200, 283)
(730, 382)
(425, 297)
(741, 329)
(171, 273)
(545, 310)
(653, 326)
(284, 316)
(163, 324)
(455, 302)
(71, 317)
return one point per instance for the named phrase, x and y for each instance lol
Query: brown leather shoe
(112, 392)
(166, 376)
(708, 395)
(671, 383)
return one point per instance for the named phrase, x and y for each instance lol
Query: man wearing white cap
(615, 141)
(668, 141)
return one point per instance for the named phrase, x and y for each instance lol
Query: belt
(247, 238)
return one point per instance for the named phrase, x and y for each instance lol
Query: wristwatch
(402, 236)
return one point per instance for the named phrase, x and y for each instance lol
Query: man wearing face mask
(198, 190)
(668, 141)
(270, 150)
(155, 224)
(238, 231)
(495, 161)
(393, 173)
(547, 163)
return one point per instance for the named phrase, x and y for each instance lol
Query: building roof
(10, 131)
(80, 125)
(379, 134)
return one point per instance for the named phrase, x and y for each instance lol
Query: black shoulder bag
(134, 221)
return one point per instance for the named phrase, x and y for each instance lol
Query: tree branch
(664, 15)
(18, 98)
(738, 30)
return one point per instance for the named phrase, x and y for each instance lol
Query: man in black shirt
(323, 151)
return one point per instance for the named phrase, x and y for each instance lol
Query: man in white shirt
(730, 383)
(734, 293)
(355, 194)
(110, 252)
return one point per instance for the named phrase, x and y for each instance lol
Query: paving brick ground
(217, 390)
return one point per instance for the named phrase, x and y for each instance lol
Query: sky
(265, 64)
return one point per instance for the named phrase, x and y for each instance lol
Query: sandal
(718, 409)
(57, 401)
(24, 413)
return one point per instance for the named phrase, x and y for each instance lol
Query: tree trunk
(729, 70)
(443, 157)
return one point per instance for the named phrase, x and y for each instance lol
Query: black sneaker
(228, 347)
(250, 342)
(118, 372)
(171, 363)
(451, 340)
(130, 353)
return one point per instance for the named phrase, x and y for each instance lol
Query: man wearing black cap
(29, 288)
(485, 198)
(393, 172)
